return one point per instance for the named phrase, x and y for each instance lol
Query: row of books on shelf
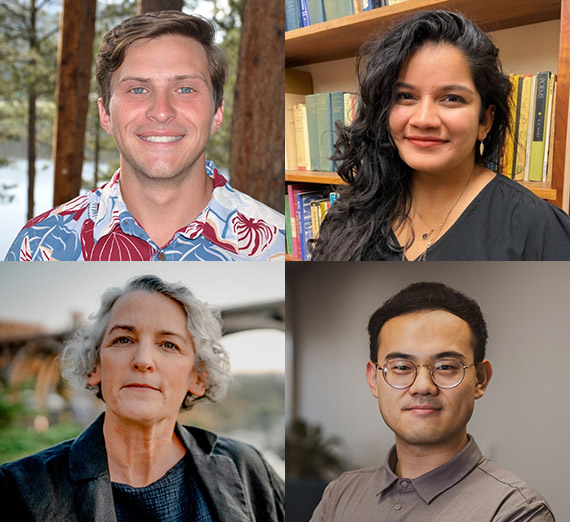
(305, 209)
(528, 152)
(302, 13)
(310, 128)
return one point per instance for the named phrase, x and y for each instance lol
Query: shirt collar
(215, 222)
(431, 484)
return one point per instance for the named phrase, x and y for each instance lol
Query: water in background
(13, 214)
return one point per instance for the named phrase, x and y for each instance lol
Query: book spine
(530, 130)
(523, 127)
(539, 129)
(299, 140)
(306, 145)
(305, 17)
(292, 15)
(288, 236)
(316, 11)
(344, 7)
(331, 10)
(549, 159)
(325, 134)
(312, 122)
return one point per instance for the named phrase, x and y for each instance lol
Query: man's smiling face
(161, 109)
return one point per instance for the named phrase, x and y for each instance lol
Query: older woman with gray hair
(151, 349)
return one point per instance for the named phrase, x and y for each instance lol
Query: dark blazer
(70, 482)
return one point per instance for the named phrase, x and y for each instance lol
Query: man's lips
(425, 141)
(422, 409)
(156, 138)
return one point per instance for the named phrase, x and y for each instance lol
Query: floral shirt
(98, 227)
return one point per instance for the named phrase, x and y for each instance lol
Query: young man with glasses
(427, 367)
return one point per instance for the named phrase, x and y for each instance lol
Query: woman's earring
(481, 148)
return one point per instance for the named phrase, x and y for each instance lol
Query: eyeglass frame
(429, 367)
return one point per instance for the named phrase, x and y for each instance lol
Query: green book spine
(325, 133)
(311, 102)
(288, 237)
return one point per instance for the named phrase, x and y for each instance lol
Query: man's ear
(484, 372)
(217, 119)
(372, 378)
(104, 117)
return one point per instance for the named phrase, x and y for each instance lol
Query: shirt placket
(403, 502)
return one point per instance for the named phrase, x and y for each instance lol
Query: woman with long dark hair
(420, 158)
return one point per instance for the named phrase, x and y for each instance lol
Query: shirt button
(161, 256)
(397, 507)
(404, 483)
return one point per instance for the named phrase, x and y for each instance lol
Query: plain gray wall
(522, 422)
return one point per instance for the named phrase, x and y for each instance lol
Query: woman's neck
(140, 455)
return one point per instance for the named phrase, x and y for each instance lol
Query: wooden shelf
(542, 190)
(308, 176)
(342, 37)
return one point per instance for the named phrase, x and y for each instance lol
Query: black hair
(426, 296)
(359, 225)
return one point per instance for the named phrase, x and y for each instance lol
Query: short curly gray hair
(81, 352)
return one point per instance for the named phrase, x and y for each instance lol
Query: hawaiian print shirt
(98, 227)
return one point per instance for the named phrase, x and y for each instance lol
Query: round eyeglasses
(445, 373)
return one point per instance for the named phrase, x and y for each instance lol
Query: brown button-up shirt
(468, 488)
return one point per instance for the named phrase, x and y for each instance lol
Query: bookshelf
(342, 37)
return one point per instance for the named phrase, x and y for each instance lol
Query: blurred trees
(28, 47)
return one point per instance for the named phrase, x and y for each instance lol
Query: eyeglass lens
(445, 373)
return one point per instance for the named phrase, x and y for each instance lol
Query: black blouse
(505, 222)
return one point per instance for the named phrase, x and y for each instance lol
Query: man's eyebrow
(140, 79)
(398, 355)
(449, 354)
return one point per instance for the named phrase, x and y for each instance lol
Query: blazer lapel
(89, 472)
(218, 477)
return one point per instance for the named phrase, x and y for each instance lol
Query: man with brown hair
(161, 79)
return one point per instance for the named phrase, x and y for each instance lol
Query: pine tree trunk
(148, 6)
(257, 150)
(32, 116)
(31, 149)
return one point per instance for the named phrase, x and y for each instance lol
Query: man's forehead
(424, 328)
(161, 55)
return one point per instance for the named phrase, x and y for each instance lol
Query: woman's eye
(122, 340)
(404, 96)
(454, 98)
(169, 346)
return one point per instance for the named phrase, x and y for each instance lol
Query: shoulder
(536, 229)
(262, 488)
(36, 476)
(350, 495)
(55, 234)
(520, 198)
(351, 481)
(245, 456)
(517, 496)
